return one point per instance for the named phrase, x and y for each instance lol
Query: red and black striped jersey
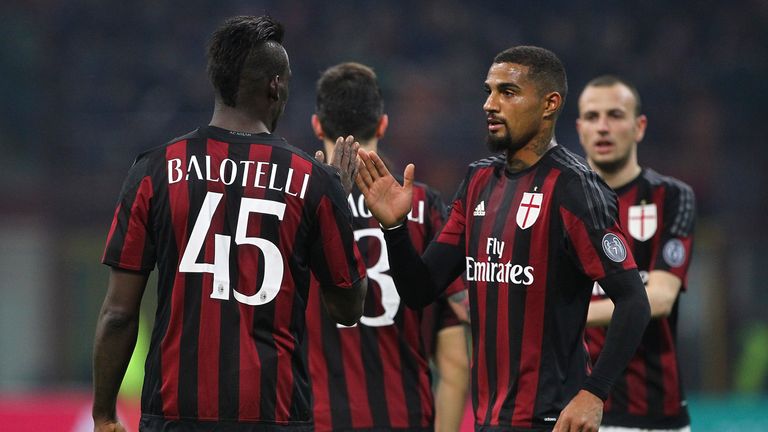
(236, 224)
(658, 213)
(534, 242)
(375, 375)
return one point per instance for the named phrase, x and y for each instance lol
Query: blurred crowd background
(86, 85)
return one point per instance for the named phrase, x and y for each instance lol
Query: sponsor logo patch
(674, 253)
(614, 248)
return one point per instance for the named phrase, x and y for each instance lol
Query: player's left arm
(116, 332)
(662, 288)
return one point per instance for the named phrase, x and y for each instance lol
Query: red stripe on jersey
(533, 322)
(637, 394)
(453, 230)
(284, 340)
(208, 343)
(178, 197)
(318, 366)
(357, 389)
(658, 198)
(483, 384)
(333, 249)
(248, 258)
(417, 230)
(132, 255)
(503, 360)
(669, 371)
(392, 364)
(586, 253)
(629, 261)
(626, 200)
(111, 230)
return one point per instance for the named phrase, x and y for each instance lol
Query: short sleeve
(594, 240)
(130, 243)
(676, 242)
(336, 259)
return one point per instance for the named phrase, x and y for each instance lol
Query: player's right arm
(336, 261)
(419, 279)
(116, 332)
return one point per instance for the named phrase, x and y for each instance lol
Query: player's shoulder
(670, 183)
(488, 162)
(160, 150)
(568, 162)
(574, 170)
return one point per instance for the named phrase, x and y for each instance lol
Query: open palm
(388, 201)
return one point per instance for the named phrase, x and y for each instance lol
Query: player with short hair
(236, 220)
(375, 375)
(532, 227)
(658, 214)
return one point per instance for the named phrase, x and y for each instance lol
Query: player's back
(375, 375)
(236, 224)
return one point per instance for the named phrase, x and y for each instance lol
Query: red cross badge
(642, 221)
(529, 209)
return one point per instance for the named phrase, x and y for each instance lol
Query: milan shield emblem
(642, 221)
(529, 209)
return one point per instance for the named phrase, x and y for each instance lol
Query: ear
(274, 88)
(381, 128)
(640, 124)
(552, 103)
(317, 128)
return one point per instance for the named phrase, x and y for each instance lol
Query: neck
(531, 153)
(234, 119)
(370, 145)
(620, 177)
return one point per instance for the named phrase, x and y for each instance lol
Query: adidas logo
(480, 209)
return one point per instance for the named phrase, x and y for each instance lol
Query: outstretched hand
(582, 414)
(388, 201)
(344, 160)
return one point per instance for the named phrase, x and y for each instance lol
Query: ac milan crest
(642, 221)
(529, 209)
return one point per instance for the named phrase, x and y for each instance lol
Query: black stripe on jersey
(374, 374)
(652, 339)
(410, 371)
(188, 351)
(229, 334)
(264, 315)
(337, 396)
(151, 399)
(597, 202)
(683, 223)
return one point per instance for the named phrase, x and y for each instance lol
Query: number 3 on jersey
(273, 260)
(390, 300)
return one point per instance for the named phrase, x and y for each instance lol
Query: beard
(612, 166)
(504, 143)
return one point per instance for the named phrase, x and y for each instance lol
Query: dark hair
(244, 50)
(349, 101)
(611, 80)
(544, 68)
